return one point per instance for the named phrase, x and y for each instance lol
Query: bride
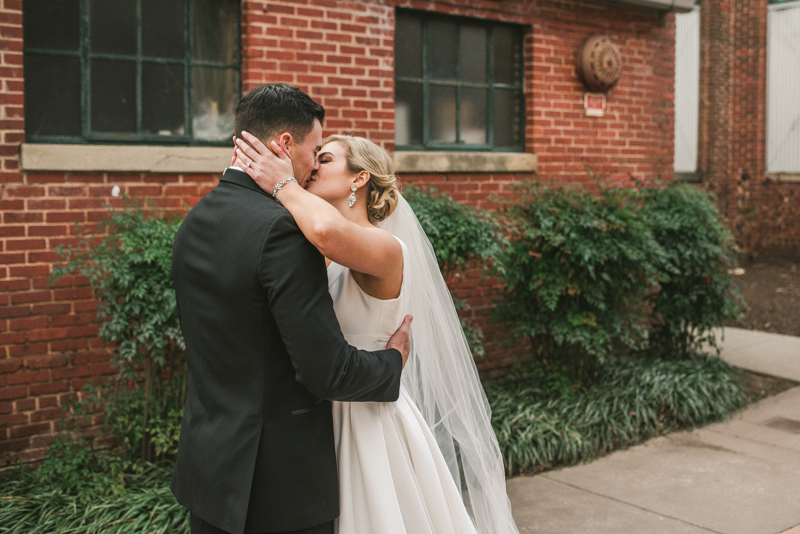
(430, 462)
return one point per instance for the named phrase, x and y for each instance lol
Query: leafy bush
(72, 468)
(576, 273)
(458, 234)
(631, 402)
(129, 266)
(696, 293)
(587, 276)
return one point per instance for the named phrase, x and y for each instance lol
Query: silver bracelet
(281, 184)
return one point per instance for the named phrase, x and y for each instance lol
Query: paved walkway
(736, 477)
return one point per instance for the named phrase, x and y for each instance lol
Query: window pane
(215, 30)
(113, 26)
(408, 46)
(507, 107)
(162, 28)
(162, 99)
(408, 114)
(51, 24)
(473, 54)
(442, 48)
(113, 96)
(49, 112)
(506, 55)
(214, 102)
(442, 114)
(473, 116)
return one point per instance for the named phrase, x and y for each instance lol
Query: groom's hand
(400, 341)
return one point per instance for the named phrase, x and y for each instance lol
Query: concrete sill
(784, 177)
(124, 158)
(482, 162)
(675, 6)
(690, 177)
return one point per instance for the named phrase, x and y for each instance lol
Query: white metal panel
(783, 88)
(687, 89)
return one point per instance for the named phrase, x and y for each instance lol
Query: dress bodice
(366, 322)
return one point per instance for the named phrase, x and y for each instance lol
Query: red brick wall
(765, 215)
(48, 348)
(341, 53)
(635, 137)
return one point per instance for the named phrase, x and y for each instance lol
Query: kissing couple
(313, 406)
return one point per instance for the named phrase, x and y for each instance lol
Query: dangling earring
(352, 198)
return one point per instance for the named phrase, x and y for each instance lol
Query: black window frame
(85, 55)
(489, 86)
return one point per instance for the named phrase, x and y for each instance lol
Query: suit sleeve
(292, 272)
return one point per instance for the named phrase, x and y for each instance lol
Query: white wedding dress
(393, 478)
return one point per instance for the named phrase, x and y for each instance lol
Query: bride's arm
(371, 251)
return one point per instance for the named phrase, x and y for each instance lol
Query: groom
(264, 349)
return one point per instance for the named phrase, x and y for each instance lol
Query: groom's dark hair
(274, 108)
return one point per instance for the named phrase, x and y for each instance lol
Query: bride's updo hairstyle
(383, 192)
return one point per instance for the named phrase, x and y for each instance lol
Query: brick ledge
(124, 158)
(483, 162)
(784, 177)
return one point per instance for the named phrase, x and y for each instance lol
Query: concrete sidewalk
(736, 477)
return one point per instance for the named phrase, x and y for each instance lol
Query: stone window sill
(690, 177)
(124, 158)
(785, 177)
(478, 162)
(183, 159)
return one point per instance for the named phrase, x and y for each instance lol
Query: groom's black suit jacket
(264, 349)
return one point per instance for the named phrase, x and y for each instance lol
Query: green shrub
(631, 402)
(129, 266)
(576, 274)
(696, 293)
(588, 276)
(72, 468)
(458, 234)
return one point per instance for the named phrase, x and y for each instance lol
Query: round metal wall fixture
(599, 63)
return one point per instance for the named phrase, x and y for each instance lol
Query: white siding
(687, 89)
(783, 88)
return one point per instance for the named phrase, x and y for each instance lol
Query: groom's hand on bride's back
(400, 341)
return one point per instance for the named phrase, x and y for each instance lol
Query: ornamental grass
(144, 506)
(630, 403)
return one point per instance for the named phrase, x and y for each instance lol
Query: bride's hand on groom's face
(266, 166)
(400, 340)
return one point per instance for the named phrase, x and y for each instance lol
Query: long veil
(442, 379)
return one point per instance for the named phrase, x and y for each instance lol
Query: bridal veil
(442, 379)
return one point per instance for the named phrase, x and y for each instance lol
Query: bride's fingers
(256, 143)
(280, 151)
(245, 151)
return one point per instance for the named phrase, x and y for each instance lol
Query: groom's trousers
(198, 526)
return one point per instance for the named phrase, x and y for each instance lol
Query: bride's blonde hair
(383, 192)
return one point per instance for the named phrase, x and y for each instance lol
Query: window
(783, 79)
(135, 71)
(687, 90)
(458, 84)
